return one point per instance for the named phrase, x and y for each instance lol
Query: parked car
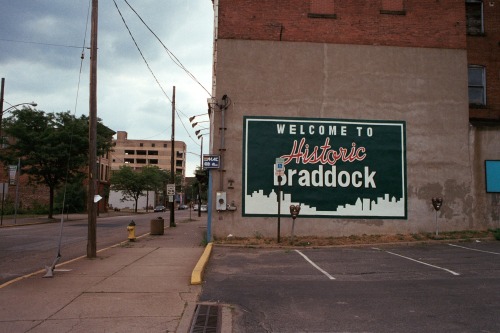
(160, 209)
(182, 207)
(195, 207)
(204, 208)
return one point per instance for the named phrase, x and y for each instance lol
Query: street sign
(211, 161)
(279, 167)
(170, 189)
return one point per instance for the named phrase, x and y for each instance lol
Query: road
(29, 248)
(394, 288)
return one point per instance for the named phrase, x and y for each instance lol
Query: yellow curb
(197, 275)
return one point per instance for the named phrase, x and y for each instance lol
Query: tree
(154, 178)
(53, 147)
(133, 184)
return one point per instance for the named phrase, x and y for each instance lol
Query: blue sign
(211, 161)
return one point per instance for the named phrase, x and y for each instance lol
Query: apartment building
(363, 113)
(139, 153)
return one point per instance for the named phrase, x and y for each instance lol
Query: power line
(149, 67)
(39, 43)
(139, 49)
(170, 54)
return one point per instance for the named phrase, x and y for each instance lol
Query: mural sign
(332, 167)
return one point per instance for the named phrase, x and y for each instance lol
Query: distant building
(139, 153)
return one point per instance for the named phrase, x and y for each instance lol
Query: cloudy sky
(41, 44)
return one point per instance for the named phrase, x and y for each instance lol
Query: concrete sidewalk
(141, 286)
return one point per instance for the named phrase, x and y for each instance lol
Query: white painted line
(420, 262)
(314, 265)
(469, 248)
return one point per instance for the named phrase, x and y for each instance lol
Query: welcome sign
(333, 167)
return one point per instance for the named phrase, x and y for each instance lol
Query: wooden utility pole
(91, 205)
(172, 160)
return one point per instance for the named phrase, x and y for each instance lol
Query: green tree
(154, 178)
(53, 147)
(132, 184)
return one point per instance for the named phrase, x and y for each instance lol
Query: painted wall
(425, 88)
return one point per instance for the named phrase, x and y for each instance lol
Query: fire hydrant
(131, 231)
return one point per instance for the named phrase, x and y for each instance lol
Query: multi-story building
(364, 113)
(139, 153)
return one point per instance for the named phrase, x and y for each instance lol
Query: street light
(33, 104)
(199, 122)
(198, 131)
(2, 111)
(198, 115)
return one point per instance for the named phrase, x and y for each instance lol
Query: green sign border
(284, 209)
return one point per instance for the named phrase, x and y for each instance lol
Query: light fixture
(198, 115)
(198, 131)
(199, 122)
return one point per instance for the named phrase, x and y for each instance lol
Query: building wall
(397, 60)
(421, 23)
(426, 88)
(484, 50)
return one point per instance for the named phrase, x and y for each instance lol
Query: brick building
(361, 112)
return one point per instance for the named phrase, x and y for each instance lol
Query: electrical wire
(139, 49)
(170, 54)
(149, 67)
(39, 43)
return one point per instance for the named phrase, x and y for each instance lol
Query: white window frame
(477, 85)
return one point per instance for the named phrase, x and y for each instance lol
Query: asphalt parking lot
(445, 287)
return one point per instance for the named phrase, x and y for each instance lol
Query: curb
(197, 275)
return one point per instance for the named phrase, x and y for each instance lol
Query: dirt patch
(313, 241)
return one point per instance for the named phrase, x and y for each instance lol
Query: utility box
(220, 201)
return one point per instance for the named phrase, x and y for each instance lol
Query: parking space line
(314, 265)
(420, 262)
(469, 248)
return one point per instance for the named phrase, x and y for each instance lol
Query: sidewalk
(141, 286)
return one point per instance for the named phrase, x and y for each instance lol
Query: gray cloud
(38, 62)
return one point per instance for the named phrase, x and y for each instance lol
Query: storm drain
(206, 319)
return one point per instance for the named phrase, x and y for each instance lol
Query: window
(152, 145)
(153, 161)
(477, 85)
(322, 9)
(164, 145)
(394, 7)
(141, 161)
(152, 152)
(129, 160)
(474, 17)
(140, 152)
(129, 152)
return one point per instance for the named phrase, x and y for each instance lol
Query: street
(391, 288)
(29, 248)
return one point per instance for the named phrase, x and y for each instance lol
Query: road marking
(314, 265)
(469, 248)
(420, 262)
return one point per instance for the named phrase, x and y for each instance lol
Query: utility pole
(172, 160)
(91, 206)
(1, 107)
